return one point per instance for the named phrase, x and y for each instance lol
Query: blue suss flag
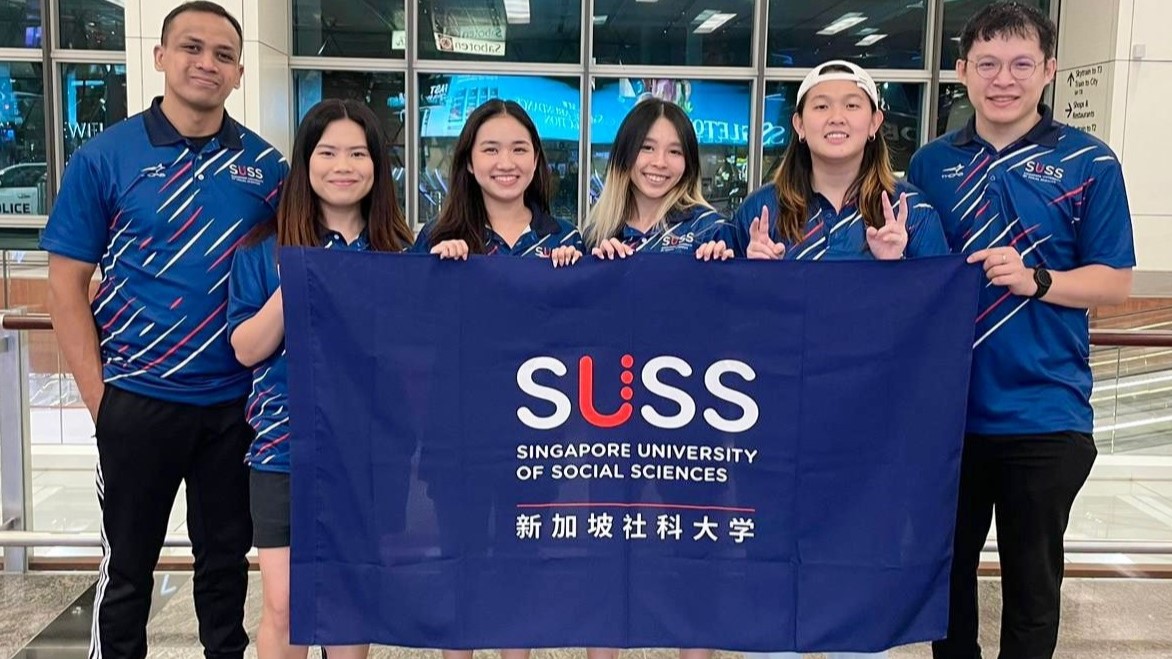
(646, 453)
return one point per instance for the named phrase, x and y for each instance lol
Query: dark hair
(633, 131)
(616, 204)
(1005, 19)
(463, 214)
(298, 221)
(205, 7)
(795, 176)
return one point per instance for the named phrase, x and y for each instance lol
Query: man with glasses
(1042, 207)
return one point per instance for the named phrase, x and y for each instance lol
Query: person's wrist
(1042, 281)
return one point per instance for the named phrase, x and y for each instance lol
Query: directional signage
(1082, 98)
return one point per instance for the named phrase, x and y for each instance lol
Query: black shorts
(269, 501)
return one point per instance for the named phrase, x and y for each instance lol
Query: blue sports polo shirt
(545, 234)
(254, 280)
(161, 220)
(684, 230)
(1057, 196)
(839, 234)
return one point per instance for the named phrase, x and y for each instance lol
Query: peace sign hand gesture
(888, 243)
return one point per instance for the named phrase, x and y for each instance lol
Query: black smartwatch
(1043, 280)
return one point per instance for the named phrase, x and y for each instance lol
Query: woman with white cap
(835, 195)
(832, 196)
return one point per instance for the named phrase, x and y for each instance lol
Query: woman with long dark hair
(832, 196)
(497, 205)
(498, 193)
(339, 194)
(651, 200)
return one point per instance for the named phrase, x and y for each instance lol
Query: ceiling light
(844, 22)
(870, 39)
(713, 23)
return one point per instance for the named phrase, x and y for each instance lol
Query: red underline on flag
(670, 506)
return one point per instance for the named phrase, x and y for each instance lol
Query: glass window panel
(879, 34)
(93, 96)
(20, 24)
(901, 122)
(496, 30)
(22, 139)
(447, 100)
(93, 24)
(954, 108)
(349, 28)
(719, 111)
(673, 32)
(956, 14)
(381, 92)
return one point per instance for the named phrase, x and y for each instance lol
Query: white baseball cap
(854, 73)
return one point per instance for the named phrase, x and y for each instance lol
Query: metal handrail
(1102, 338)
(1131, 338)
(57, 539)
(1105, 547)
(24, 322)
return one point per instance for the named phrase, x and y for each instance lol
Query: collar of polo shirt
(161, 131)
(541, 224)
(1044, 133)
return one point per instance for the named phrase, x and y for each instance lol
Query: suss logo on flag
(685, 405)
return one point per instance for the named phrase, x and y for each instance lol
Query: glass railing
(1132, 399)
(47, 450)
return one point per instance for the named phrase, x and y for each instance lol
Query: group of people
(179, 353)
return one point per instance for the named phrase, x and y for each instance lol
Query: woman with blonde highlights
(651, 201)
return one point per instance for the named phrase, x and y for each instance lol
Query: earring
(872, 138)
(802, 139)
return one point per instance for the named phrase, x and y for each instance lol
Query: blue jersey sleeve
(919, 170)
(571, 237)
(925, 233)
(750, 209)
(1104, 233)
(914, 174)
(711, 226)
(722, 229)
(247, 291)
(274, 200)
(738, 229)
(79, 226)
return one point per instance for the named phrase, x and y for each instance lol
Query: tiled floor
(29, 603)
(47, 617)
